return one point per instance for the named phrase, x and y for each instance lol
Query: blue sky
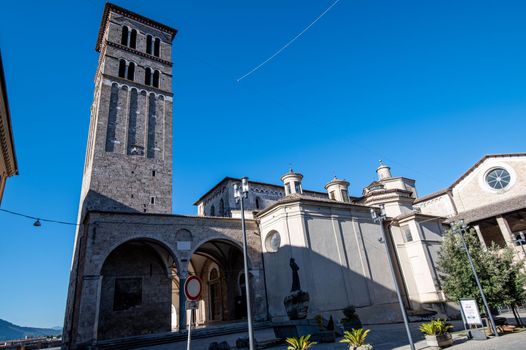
(427, 86)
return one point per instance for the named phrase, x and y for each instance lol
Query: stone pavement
(382, 337)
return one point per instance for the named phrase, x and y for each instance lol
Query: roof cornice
(132, 15)
(7, 142)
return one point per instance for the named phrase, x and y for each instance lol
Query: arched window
(149, 44)
(258, 204)
(148, 77)
(131, 71)
(157, 47)
(122, 68)
(124, 36)
(212, 211)
(156, 79)
(133, 39)
(221, 207)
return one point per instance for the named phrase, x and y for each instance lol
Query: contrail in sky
(289, 43)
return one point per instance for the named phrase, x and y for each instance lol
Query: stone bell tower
(128, 164)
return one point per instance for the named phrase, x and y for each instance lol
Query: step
(174, 337)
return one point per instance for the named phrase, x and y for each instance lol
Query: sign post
(192, 290)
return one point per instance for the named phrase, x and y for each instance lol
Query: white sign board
(471, 311)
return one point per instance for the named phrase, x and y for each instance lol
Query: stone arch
(137, 293)
(158, 242)
(222, 299)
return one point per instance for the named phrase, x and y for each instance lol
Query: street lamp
(380, 219)
(460, 228)
(240, 194)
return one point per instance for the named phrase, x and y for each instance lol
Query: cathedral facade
(132, 255)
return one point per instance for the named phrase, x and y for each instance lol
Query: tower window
(153, 173)
(156, 47)
(133, 39)
(152, 200)
(156, 79)
(149, 44)
(148, 77)
(122, 68)
(131, 71)
(258, 204)
(124, 36)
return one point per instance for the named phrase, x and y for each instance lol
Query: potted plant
(351, 319)
(301, 343)
(356, 339)
(437, 333)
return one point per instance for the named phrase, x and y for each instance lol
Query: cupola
(383, 171)
(338, 189)
(292, 182)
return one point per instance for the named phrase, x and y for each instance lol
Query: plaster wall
(440, 206)
(473, 192)
(340, 258)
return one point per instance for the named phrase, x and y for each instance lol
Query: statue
(297, 302)
(295, 276)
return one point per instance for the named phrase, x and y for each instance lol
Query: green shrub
(356, 338)
(301, 343)
(435, 327)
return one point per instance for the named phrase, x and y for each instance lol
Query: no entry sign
(192, 288)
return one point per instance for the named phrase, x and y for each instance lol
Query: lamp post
(380, 219)
(460, 228)
(240, 193)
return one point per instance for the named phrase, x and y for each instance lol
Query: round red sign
(192, 288)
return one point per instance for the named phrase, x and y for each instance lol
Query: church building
(132, 254)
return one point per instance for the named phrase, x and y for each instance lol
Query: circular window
(273, 241)
(498, 178)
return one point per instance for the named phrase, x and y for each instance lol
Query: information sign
(471, 312)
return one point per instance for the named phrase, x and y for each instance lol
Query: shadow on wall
(97, 201)
(139, 279)
(332, 286)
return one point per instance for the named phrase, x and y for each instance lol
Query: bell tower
(128, 164)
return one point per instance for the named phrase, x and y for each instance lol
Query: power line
(289, 43)
(39, 219)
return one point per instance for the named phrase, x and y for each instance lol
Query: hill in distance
(9, 331)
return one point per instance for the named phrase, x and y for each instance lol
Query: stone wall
(104, 232)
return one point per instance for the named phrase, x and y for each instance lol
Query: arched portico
(219, 263)
(139, 290)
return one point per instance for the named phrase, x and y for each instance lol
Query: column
(479, 234)
(506, 231)
(88, 310)
(182, 300)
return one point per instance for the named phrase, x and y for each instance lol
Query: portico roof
(491, 210)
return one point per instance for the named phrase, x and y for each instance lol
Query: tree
(501, 277)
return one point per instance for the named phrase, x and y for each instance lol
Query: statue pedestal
(297, 305)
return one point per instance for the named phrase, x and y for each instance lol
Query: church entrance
(219, 263)
(139, 291)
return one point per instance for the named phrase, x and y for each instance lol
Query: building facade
(132, 255)
(8, 163)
